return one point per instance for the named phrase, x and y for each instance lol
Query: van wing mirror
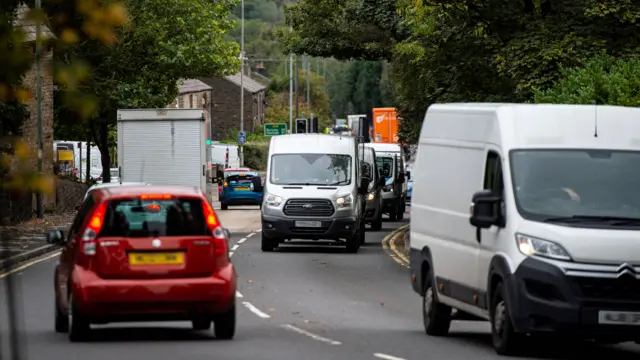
(400, 179)
(364, 185)
(381, 181)
(485, 210)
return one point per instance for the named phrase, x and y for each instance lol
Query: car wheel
(224, 325)
(224, 206)
(505, 340)
(62, 320)
(435, 316)
(79, 327)
(268, 244)
(201, 324)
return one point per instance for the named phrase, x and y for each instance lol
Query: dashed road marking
(230, 253)
(238, 295)
(255, 310)
(311, 335)
(242, 240)
(235, 247)
(250, 235)
(258, 230)
(386, 357)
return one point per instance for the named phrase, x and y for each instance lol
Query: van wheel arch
(426, 267)
(499, 271)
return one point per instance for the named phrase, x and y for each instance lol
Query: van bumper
(543, 299)
(274, 227)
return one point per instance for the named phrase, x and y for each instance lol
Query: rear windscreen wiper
(612, 220)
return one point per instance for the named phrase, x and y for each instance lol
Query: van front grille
(309, 207)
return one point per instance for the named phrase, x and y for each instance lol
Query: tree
(171, 40)
(603, 80)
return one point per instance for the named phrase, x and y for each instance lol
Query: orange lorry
(385, 125)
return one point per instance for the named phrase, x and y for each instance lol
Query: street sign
(242, 137)
(275, 129)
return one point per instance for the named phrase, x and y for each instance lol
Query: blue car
(241, 188)
(409, 188)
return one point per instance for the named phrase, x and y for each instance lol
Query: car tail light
(156, 196)
(225, 184)
(90, 235)
(220, 241)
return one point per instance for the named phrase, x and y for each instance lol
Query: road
(296, 303)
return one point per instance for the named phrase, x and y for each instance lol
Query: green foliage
(256, 155)
(603, 80)
(362, 86)
(278, 107)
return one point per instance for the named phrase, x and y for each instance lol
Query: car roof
(135, 190)
(115, 184)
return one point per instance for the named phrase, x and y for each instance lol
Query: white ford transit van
(390, 159)
(529, 216)
(314, 190)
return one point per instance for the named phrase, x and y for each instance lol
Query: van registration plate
(164, 258)
(619, 318)
(309, 224)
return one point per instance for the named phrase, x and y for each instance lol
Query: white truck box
(162, 146)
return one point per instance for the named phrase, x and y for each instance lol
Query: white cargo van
(390, 159)
(314, 190)
(529, 216)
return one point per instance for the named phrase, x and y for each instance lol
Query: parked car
(136, 253)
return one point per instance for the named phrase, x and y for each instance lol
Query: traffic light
(301, 126)
(313, 124)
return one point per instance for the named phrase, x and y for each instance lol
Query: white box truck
(162, 146)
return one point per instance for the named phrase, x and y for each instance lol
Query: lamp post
(242, 58)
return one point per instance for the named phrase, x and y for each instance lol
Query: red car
(144, 253)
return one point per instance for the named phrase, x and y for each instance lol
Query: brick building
(225, 105)
(194, 94)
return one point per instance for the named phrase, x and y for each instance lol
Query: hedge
(256, 155)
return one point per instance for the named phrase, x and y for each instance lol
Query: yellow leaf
(69, 36)
(23, 95)
(21, 150)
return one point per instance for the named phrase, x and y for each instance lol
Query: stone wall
(68, 194)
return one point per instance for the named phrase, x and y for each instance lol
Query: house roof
(187, 86)
(29, 26)
(249, 84)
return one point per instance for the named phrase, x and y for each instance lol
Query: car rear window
(150, 218)
(241, 179)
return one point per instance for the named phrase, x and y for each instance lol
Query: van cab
(373, 207)
(391, 164)
(528, 216)
(314, 189)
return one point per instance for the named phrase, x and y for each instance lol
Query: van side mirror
(400, 179)
(364, 185)
(381, 181)
(485, 210)
(55, 237)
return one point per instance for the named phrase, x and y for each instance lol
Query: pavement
(300, 302)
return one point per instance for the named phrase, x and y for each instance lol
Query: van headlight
(273, 200)
(388, 187)
(533, 246)
(370, 196)
(345, 201)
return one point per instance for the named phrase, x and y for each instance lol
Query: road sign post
(275, 129)
(242, 137)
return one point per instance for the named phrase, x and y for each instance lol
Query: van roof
(385, 147)
(534, 125)
(312, 144)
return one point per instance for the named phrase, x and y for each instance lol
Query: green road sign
(275, 129)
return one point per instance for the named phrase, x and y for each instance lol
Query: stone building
(225, 105)
(194, 94)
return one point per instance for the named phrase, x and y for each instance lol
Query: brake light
(156, 196)
(225, 184)
(153, 208)
(220, 241)
(90, 235)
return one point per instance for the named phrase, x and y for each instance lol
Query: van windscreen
(311, 169)
(147, 218)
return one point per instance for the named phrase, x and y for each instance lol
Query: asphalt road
(311, 302)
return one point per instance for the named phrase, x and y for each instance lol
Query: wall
(68, 194)
(226, 106)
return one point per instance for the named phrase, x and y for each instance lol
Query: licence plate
(173, 258)
(242, 189)
(619, 318)
(309, 224)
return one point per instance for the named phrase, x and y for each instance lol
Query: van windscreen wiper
(612, 220)
(341, 182)
(300, 184)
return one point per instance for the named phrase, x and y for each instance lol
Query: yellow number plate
(242, 189)
(174, 258)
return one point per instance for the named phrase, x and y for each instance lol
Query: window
(385, 166)
(141, 218)
(311, 169)
(493, 174)
(190, 101)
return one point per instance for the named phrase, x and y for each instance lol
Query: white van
(390, 159)
(529, 216)
(313, 190)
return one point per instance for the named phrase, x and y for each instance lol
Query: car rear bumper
(179, 298)
(250, 198)
(332, 229)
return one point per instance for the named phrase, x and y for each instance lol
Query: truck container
(385, 125)
(162, 146)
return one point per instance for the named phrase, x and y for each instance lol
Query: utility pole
(291, 90)
(296, 86)
(39, 195)
(307, 70)
(242, 81)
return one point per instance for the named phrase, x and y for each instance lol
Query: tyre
(61, 321)
(363, 232)
(267, 244)
(505, 340)
(392, 215)
(401, 210)
(224, 325)
(376, 225)
(436, 317)
(201, 324)
(353, 243)
(224, 206)
(79, 326)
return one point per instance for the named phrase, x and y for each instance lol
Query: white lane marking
(235, 247)
(255, 310)
(230, 253)
(311, 335)
(386, 357)
(238, 295)
(258, 230)
(242, 240)
(250, 235)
